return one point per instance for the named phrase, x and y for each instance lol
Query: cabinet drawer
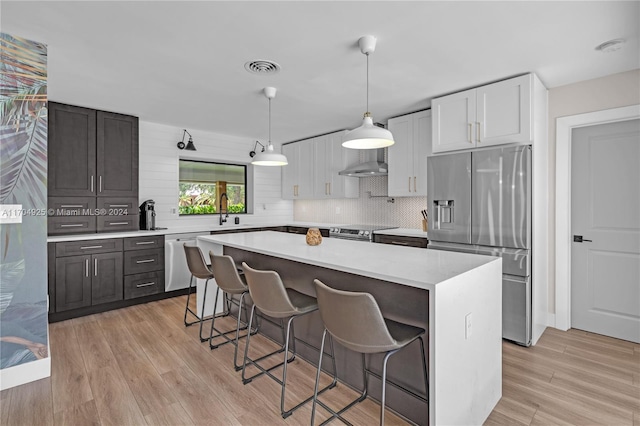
(72, 248)
(142, 243)
(118, 206)
(118, 223)
(76, 206)
(139, 261)
(401, 241)
(139, 285)
(60, 225)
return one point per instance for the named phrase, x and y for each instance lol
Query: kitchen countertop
(214, 227)
(403, 232)
(410, 266)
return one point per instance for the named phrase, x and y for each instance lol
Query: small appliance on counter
(147, 215)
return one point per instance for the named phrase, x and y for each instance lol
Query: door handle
(469, 138)
(579, 239)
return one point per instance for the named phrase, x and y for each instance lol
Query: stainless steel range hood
(373, 165)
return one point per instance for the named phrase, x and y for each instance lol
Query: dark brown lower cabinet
(90, 276)
(107, 279)
(73, 282)
(88, 280)
(397, 240)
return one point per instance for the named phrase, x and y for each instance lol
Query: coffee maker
(148, 215)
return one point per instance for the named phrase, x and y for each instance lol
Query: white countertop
(403, 232)
(216, 227)
(130, 234)
(410, 266)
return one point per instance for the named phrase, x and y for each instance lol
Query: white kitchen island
(455, 296)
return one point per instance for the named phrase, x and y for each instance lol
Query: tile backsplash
(373, 207)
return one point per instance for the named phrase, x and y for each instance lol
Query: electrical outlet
(467, 326)
(173, 210)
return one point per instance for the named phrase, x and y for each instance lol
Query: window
(202, 184)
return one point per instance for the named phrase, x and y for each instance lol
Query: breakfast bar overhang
(456, 297)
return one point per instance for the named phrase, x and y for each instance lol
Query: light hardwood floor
(140, 365)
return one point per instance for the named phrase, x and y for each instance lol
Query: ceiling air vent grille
(262, 66)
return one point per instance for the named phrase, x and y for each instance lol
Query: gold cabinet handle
(414, 185)
(329, 188)
(409, 183)
(478, 131)
(470, 140)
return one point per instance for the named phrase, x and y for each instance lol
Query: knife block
(425, 225)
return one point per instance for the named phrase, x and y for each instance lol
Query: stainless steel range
(356, 232)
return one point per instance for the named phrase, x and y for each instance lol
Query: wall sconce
(189, 146)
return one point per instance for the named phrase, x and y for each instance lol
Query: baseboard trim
(25, 373)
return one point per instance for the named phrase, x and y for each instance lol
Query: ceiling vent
(262, 66)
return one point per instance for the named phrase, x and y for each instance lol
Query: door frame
(564, 127)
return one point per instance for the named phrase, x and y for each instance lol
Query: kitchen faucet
(223, 220)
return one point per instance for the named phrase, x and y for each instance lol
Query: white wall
(158, 177)
(612, 91)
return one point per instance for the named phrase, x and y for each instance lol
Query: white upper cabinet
(407, 157)
(297, 176)
(290, 171)
(494, 114)
(312, 172)
(331, 158)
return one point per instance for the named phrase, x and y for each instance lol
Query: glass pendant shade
(269, 158)
(367, 136)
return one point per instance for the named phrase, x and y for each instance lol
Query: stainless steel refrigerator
(480, 202)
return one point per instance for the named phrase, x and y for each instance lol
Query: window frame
(248, 185)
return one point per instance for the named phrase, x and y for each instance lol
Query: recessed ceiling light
(611, 45)
(262, 66)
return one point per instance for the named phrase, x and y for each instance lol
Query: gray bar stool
(232, 284)
(199, 269)
(355, 321)
(273, 299)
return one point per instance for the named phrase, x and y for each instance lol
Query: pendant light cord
(269, 121)
(367, 55)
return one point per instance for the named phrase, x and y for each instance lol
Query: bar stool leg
(246, 347)
(384, 384)
(204, 300)
(284, 413)
(187, 309)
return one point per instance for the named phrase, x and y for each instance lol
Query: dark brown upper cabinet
(92, 152)
(72, 150)
(117, 155)
(93, 163)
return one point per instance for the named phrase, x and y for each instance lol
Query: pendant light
(268, 157)
(368, 135)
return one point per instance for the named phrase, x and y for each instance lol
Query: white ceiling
(182, 63)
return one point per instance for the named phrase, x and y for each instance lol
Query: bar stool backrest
(226, 273)
(196, 263)
(354, 319)
(268, 292)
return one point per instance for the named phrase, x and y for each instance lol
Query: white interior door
(605, 206)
